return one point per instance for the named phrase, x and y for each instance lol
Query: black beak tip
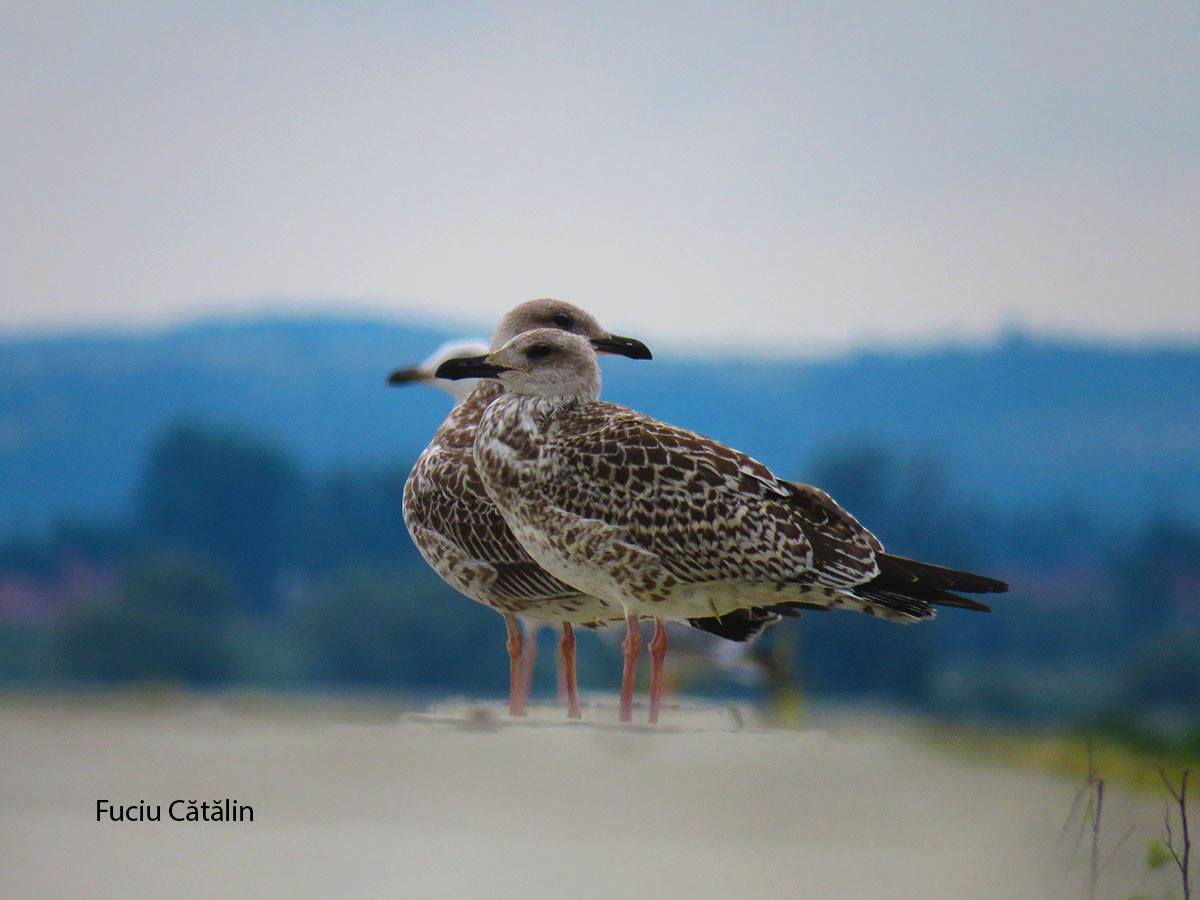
(468, 367)
(404, 376)
(622, 346)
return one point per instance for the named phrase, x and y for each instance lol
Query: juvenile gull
(465, 539)
(666, 523)
(423, 373)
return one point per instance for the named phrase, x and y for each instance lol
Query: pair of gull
(544, 503)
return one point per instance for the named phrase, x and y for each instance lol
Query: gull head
(547, 313)
(545, 362)
(424, 372)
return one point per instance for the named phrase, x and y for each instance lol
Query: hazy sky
(803, 175)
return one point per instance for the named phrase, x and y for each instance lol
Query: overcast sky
(795, 175)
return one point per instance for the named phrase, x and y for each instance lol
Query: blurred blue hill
(219, 504)
(1023, 422)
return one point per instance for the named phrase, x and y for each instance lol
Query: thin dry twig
(1095, 871)
(1093, 789)
(1074, 811)
(1182, 854)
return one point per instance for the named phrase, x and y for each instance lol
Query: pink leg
(515, 706)
(528, 660)
(632, 646)
(560, 670)
(567, 651)
(658, 653)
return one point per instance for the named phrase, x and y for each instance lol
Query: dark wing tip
(937, 577)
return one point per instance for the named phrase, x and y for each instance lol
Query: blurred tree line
(233, 566)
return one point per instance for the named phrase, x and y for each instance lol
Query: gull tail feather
(913, 588)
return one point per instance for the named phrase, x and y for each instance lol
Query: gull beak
(622, 346)
(469, 367)
(407, 376)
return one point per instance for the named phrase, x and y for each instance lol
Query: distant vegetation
(232, 565)
(1075, 436)
(220, 505)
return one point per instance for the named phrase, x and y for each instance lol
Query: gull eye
(539, 351)
(562, 320)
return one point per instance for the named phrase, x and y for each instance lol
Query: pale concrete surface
(360, 800)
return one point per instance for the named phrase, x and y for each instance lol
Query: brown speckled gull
(467, 541)
(464, 539)
(663, 522)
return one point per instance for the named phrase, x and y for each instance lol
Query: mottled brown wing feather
(445, 497)
(709, 512)
(457, 509)
(844, 552)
